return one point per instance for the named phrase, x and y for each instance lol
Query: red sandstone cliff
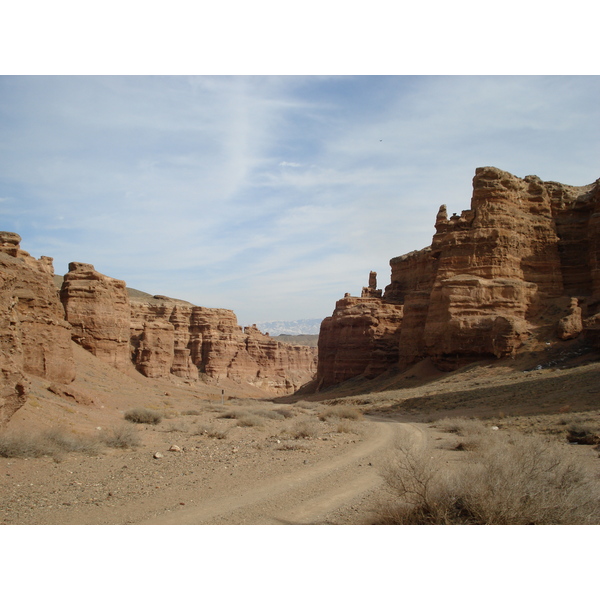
(161, 337)
(525, 251)
(172, 336)
(35, 339)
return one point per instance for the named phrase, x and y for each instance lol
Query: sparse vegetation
(143, 415)
(340, 412)
(582, 432)
(123, 436)
(461, 426)
(212, 432)
(344, 427)
(52, 442)
(250, 420)
(176, 426)
(286, 413)
(512, 480)
(304, 429)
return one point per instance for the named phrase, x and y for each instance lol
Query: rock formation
(160, 337)
(97, 307)
(525, 252)
(173, 336)
(34, 336)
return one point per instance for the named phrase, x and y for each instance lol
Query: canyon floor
(228, 459)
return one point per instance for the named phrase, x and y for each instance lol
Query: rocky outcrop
(360, 338)
(525, 249)
(175, 337)
(34, 337)
(97, 307)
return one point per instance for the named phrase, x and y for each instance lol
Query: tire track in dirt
(303, 496)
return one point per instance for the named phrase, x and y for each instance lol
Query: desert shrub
(62, 441)
(286, 413)
(212, 432)
(191, 413)
(175, 427)
(304, 429)
(514, 480)
(143, 415)
(122, 436)
(582, 433)
(52, 442)
(269, 414)
(234, 413)
(461, 426)
(344, 427)
(250, 420)
(340, 412)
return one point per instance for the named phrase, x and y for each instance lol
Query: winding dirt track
(304, 496)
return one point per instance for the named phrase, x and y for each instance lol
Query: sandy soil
(241, 460)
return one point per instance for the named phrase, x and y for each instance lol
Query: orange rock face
(492, 275)
(97, 307)
(360, 338)
(34, 337)
(172, 336)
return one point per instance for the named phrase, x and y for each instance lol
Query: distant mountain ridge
(299, 327)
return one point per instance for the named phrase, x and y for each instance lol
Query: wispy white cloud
(269, 195)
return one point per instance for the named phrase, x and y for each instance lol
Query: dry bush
(52, 442)
(212, 432)
(175, 427)
(269, 414)
(304, 429)
(143, 415)
(340, 412)
(513, 480)
(582, 432)
(345, 427)
(234, 413)
(461, 426)
(122, 436)
(66, 442)
(250, 420)
(191, 413)
(286, 413)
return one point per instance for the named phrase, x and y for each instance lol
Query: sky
(269, 195)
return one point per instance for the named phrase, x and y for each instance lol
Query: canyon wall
(172, 336)
(35, 338)
(160, 337)
(523, 261)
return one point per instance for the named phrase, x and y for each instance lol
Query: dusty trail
(304, 496)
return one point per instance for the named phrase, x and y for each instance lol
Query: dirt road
(312, 495)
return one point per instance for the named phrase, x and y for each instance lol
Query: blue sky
(269, 195)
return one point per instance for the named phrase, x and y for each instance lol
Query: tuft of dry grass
(212, 432)
(340, 412)
(461, 426)
(512, 480)
(286, 413)
(143, 415)
(304, 429)
(52, 442)
(345, 427)
(175, 427)
(122, 436)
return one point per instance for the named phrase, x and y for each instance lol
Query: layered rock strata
(97, 307)
(172, 336)
(526, 251)
(35, 339)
